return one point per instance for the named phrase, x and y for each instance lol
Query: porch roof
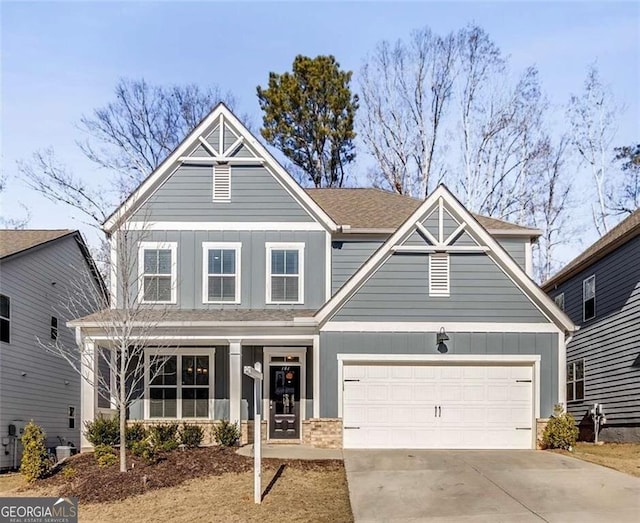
(184, 317)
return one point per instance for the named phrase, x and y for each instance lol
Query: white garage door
(438, 406)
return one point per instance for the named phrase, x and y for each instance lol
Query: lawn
(624, 457)
(208, 484)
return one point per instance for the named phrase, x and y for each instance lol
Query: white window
(285, 273)
(559, 299)
(589, 298)
(179, 385)
(5, 318)
(157, 267)
(575, 380)
(221, 272)
(439, 274)
(221, 183)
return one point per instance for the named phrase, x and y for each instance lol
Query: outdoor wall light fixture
(441, 337)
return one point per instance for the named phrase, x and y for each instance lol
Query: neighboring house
(380, 320)
(36, 268)
(600, 291)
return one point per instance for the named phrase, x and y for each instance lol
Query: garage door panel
(393, 406)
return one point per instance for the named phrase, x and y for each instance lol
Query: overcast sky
(61, 60)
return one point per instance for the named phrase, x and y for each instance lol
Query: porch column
(235, 381)
(88, 390)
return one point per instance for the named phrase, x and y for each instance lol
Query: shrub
(134, 433)
(35, 462)
(226, 433)
(144, 450)
(191, 435)
(164, 437)
(68, 473)
(105, 455)
(561, 431)
(102, 431)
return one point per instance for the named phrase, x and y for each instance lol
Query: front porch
(198, 379)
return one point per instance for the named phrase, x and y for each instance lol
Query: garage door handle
(439, 412)
(351, 428)
(523, 428)
(523, 381)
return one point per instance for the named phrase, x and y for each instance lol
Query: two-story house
(600, 291)
(36, 267)
(380, 320)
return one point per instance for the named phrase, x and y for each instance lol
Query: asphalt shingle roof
(13, 241)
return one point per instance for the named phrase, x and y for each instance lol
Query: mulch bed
(92, 484)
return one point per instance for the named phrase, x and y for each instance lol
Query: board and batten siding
(256, 196)
(50, 386)
(253, 266)
(479, 291)
(609, 344)
(347, 256)
(381, 343)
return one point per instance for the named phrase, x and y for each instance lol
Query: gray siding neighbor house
(600, 292)
(36, 267)
(380, 320)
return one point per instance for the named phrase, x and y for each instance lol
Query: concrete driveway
(490, 486)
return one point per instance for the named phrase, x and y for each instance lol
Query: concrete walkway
(487, 486)
(293, 451)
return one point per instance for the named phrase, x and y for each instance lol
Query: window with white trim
(285, 273)
(559, 299)
(439, 274)
(589, 298)
(158, 272)
(5, 318)
(187, 397)
(221, 267)
(221, 183)
(575, 380)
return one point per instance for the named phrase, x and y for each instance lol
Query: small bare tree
(13, 223)
(592, 117)
(125, 327)
(625, 198)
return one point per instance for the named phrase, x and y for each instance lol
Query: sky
(60, 60)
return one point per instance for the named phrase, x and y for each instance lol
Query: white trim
(267, 354)
(328, 269)
(528, 259)
(446, 359)
(426, 249)
(415, 326)
(175, 351)
(113, 273)
(173, 247)
(562, 369)
(520, 233)
(219, 113)
(208, 147)
(221, 134)
(420, 227)
(222, 171)
(228, 246)
(235, 382)
(203, 160)
(213, 339)
(455, 234)
(225, 226)
(477, 232)
(288, 246)
(316, 376)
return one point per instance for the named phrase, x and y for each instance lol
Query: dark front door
(284, 402)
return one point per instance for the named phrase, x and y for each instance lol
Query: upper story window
(54, 328)
(575, 380)
(439, 274)
(221, 263)
(5, 318)
(559, 299)
(221, 183)
(285, 273)
(589, 298)
(158, 272)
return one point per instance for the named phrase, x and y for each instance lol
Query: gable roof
(623, 232)
(15, 241)
(172, 162)
(497, 253)
(369, 209)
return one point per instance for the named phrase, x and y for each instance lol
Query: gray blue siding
(256, 196)
(516, 247)
(399, 291)
(49, 386)
(333, 343)
(347, 257)
(609, 343)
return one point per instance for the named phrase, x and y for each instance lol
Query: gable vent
(221, 183)
(439, 274)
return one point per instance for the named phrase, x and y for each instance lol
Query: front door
(284, 402)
